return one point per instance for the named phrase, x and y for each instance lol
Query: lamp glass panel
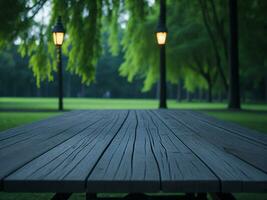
(58, 38)
(161, 37)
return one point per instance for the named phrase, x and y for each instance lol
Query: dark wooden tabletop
(133, 151)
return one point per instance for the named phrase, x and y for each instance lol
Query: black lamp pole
(234, 91)
(60, 79)
(58, 36)
(162, 80)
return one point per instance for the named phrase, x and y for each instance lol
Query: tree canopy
(197, 42)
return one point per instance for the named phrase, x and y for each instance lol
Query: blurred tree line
(16, 79)
(197, 47)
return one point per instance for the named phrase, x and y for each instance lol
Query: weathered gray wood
(33, 132)
(24, 129)
(128, 165)
(132, 151)
(231, 127)
(180, 169)
(12, 159)
(145, 154)
(235, 174)
(66, 167)
(243, 147)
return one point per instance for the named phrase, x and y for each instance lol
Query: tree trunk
(210, 92)
(220, 29)
(265, 90)
(198, 93)
(14, 90)
(179, 91)
(69, 86)
(82, 90)
(203, 95)
(157, 90)
(214, 44)
(38, 91)
(234, 91)
(188, 96)
(221, 97)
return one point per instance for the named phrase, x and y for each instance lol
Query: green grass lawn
(83, 103)
(13, 119)
(18, 111)
(252, 119)
(92, 103)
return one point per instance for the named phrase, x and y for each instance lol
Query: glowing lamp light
(58, 33)
(58, 38)
(161, 33)
(161, 37)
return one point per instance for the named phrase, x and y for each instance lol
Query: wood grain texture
(235, 174)
(15, 156)
(132, 151)
(240, 145)
(147, 157)
(231, 127)
(24, 129)
(66, 167)
(180, 168)
(129, 164)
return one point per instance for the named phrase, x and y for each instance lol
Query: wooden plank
(231, 127)
(139, 151)
(243, 147)
(147, 157)
(128, 165)
(24, 129)
(180, 169)
(13, 157)
(32, 133)
(235, 174)
(66, 167)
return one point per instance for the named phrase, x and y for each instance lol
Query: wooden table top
(133, 151)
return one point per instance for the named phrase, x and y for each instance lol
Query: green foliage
(84, 38)
(196, 43)
(40, 62)
(142, 63)
(113, 13)
(83, 22)
(13, 20)
(139, 45)
(107, 79)
(186, 40)
(253, 45)
(193, 80)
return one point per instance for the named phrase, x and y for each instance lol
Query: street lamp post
(161, 39)
(234, 90)
(58, 37)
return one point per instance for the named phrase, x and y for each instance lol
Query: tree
(187, 57)
(197, 52)
(253, 48)
(216, 31)
(83, 20)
